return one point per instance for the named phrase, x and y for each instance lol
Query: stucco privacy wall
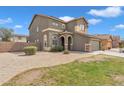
(13, 46)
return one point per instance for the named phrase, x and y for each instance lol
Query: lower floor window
(45, 40)
(54, 42)
(45, 43)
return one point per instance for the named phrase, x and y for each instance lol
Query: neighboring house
(106, 41)
(115, 41)
(49, 31)
(19, 38)
(122, 41)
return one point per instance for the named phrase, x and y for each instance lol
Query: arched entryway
(69, 42)
(62, 39)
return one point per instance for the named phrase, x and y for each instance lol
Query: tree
(6, 34)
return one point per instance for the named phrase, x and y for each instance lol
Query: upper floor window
(79, 27)
(37, 29)
(37, 40)
(54, 24)
(63, 26)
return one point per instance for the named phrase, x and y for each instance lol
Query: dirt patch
(29, 76)
(97, 58)
(119, 79)
(32, 77)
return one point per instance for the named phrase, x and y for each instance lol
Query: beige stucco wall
(79, 42)
(41, 23)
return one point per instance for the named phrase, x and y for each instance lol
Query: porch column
(66, 43)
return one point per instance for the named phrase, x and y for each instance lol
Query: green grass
(77, 73)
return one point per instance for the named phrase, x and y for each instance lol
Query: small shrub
(30, 50)
(56, 49)
(66, 52)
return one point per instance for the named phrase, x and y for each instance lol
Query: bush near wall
(30, 50)
(57, 49)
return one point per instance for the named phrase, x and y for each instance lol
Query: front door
(69, 43)
(62, 40)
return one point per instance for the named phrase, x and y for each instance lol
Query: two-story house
(49, 31)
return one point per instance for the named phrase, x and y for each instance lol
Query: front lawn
(109, 71)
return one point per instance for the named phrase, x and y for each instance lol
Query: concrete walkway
(108, 52)
(12, 64)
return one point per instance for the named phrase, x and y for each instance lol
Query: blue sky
(102, 20)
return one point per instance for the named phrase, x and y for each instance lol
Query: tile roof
(55, 18)
(88, 35)
(103, 36)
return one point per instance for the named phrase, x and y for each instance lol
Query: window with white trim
(55, 24)
(37, 40)
(79, 27)
(54, 40)
(37, 29)
(63, 26)
(45, 40)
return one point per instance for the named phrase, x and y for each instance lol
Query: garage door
(94, 45)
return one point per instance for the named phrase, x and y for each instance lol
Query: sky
(101, 19)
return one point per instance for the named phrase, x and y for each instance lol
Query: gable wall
(59, 26)
(41, 23)
(71, 26)
(79, 42)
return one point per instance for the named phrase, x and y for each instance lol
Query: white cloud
(119, 26)
(107, 12)
(94, 21)
(18, 26)
(5, 21)
(66, 18)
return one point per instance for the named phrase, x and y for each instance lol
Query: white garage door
(94, 45)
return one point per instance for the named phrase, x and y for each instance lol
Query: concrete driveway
(12, 64)
(109, 52)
